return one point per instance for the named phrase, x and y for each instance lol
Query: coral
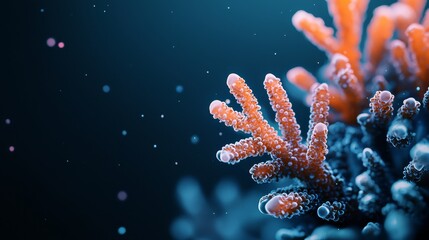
(221, 214)
(356, 154)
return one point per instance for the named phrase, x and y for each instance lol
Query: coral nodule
(378, 155)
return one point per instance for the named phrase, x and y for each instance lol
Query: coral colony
(364, 160)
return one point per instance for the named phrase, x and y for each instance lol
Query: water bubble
(50, 42)
(179, 89)
(106, 88)
(122, 230)
(195, 139)
(122, 196)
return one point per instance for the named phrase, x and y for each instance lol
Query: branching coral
(369, 146)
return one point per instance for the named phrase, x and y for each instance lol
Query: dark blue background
(70, 158)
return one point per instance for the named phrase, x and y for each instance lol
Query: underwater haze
(107, 129)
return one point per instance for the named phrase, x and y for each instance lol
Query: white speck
(162, 115)
(176, 163)
(195, 139)
(142, 116)
(220, 133)
(155, 146)
(207, 71)
(228, 8)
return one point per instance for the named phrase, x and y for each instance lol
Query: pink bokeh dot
(61, 45)
(12, 149)
(50, 42)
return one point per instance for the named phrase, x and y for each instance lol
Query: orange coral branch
(348, 25)
(316, 31)
(301, 78)
(287, 205)
(419, 47)
(345, 78)
(380, 30)
(228, 116)
(288, 159)
(416, 5)
(285, 116)
(319, 108)
(400, 59)
(404, 15)
(233, 153)
(317, 148)
(268, 171)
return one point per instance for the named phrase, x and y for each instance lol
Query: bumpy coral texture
(377, 130)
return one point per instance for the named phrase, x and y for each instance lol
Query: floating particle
(122, 195)
(207, 71)
(142, 115)
(11, 149)
(50, 42)
(162, 115)
(122, 230)
(7, 121)
(61, 45)
(227, 101)
(124, 132)
(179, 88)
(106, 88)
(220, 133)
(42, 10)
(155, 146)
(195, 139)
(176, 163)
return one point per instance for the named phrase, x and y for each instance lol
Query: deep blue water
(85, 118)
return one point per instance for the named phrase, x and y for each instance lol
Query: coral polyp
(367, 148)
